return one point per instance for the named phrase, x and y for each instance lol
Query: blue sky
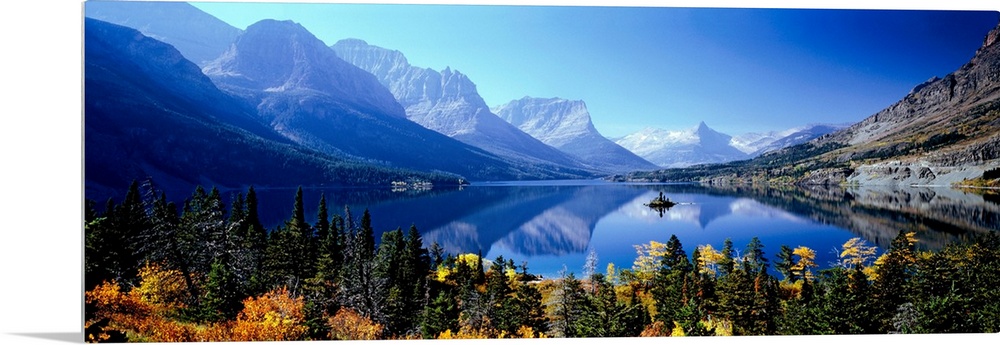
(739, 70)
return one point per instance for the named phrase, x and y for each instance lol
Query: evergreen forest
(156, 271)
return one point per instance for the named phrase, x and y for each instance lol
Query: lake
(553, 225)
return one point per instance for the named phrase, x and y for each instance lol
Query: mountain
(677, 149)
(199, 36)
(151, 113)
(448, 102)
(305, 92)
(566, 125)
(943, 132)
(756, 144)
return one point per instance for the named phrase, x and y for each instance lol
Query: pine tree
(120, 236)
(254, 242)
(671, 282)
(569, 304)
(222, 300)
(388, 264)
(726, 264)
(322, 219)
(755, 256)
(785, 262)
(359, 287)
(439, 315)
(892, 286)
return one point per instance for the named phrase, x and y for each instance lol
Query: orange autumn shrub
(347, 324)
(275, 316)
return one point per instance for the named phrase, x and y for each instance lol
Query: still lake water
(555, 224)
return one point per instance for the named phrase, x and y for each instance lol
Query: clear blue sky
(739, 70)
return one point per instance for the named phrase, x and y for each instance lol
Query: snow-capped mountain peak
(697, 145)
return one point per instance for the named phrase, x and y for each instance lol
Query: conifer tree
(671, 282)
(439, 315)
(892, 286)
(322, 219)
(568, 305)
(785, 262)
(222, 300)
(726, 264)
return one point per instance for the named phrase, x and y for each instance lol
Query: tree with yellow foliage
(806, 260)
(855, 252)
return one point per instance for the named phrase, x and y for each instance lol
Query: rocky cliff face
(448, 102)
(943, 131)
(308, 94)
(566, 125)
(963, 103)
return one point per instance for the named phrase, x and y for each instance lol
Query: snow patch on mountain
(566, 125)
(678, 149)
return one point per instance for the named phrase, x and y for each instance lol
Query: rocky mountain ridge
(944, 132)
(448, 102)
(567, 126)
(150, 114)
(303, 90)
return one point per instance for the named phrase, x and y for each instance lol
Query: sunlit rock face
(567, 126)
(308, 94)
(448, 102)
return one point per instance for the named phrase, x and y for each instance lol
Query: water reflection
(554, 224)
(877, 213)
(542, 220)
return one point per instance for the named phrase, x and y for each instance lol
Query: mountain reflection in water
(554, 224)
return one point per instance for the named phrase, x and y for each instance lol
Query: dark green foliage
(726, 265)
(737, 299)
(524, 307)
(112, 241)
(388, 272)
(360, 288)
(569, 305)
(671, 283)
(221, 300)
(606, 316)
(439, 315)
(846, 304)
(785, 262)
(754, 256)
(893, 286)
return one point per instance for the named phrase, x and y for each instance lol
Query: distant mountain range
(566, 125)
(943, 132)
(756, 144)
(676, 149)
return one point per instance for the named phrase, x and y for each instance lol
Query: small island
(661, 204)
